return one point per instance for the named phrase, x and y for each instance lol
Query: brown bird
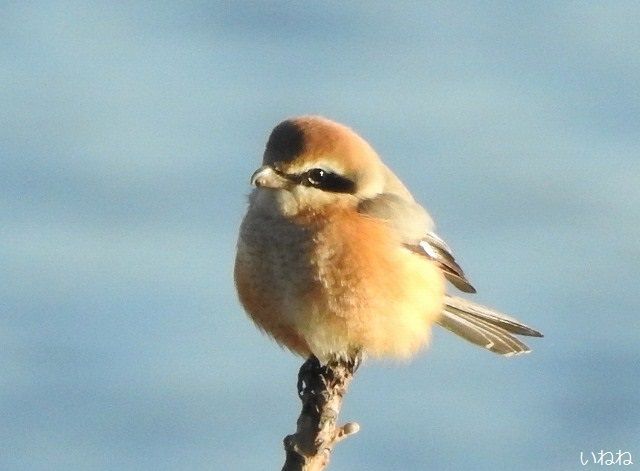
(336, 259)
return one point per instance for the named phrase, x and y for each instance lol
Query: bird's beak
(267, 177)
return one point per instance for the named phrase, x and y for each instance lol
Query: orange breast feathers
(359, 290)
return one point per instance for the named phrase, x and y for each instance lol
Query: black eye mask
(327, 181)
(322, 180)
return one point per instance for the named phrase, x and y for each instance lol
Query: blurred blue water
(127, 136)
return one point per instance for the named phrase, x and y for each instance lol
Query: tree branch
(321, 389)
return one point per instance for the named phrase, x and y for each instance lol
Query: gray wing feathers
(477, 324)
(485, 327)
(406, 217)
(415, 227)
(440, 252)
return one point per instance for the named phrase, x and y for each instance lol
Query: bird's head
(311, 162)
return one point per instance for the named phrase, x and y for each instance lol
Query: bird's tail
(485, 327)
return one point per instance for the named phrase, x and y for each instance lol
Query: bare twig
(321, 389)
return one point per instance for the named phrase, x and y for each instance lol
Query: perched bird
(336, 259)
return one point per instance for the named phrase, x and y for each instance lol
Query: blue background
(128, 132)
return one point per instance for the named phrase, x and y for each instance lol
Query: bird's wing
(436, 249)
(485, 327)
(477, 324)
(415, 227)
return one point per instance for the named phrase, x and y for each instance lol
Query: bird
(335, 259)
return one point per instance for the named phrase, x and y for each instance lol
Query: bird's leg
(358, 359)
(308, 368)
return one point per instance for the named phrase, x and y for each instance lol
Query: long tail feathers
(485, 327)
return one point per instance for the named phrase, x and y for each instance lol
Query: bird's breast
(340, 279)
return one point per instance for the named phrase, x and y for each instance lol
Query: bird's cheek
(274, 202)
(287, 202)
(313, 199)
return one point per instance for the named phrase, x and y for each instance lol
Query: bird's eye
(327, 181)
(316, 176)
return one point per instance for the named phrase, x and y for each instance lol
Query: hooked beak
(267, 177)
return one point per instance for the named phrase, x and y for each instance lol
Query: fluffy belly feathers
(327, 292)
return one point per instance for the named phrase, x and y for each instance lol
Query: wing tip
(515, 353)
